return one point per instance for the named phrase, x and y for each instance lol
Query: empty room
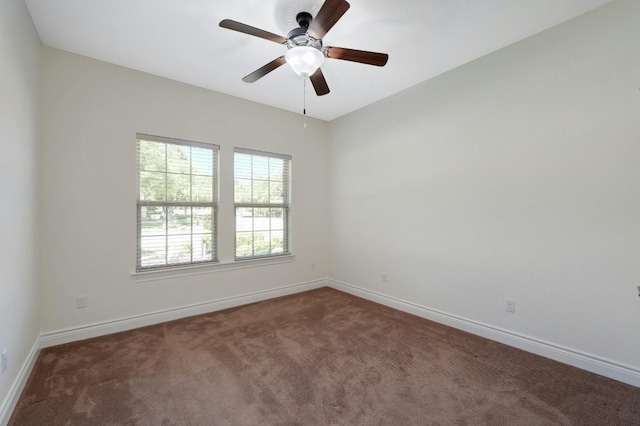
(320, 212)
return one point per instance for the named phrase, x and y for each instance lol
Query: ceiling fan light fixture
(304, 60)
(306, 52)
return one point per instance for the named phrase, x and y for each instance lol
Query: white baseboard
(623, 373)
(122, 324)
(9, 403)
(604, 367)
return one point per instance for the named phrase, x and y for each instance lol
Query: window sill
(186, 271)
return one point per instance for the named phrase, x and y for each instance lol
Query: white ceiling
(181, 40)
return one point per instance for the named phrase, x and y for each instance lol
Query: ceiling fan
(305, 52)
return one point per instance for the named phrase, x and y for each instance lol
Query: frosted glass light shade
(304, 60)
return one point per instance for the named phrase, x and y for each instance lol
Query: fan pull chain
(304, 101)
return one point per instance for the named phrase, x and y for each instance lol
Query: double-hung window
(177, 202)
(262, 198)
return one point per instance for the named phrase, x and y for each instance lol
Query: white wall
(514, 176)
(90, 113)
(19, 328)
(517, 175)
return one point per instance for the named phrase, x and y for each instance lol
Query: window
(177, 202)
(261, 196)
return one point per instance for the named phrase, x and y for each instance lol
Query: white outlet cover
(82, 302)
(509, 305)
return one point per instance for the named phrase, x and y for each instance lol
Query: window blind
(262, 199)
(177, 202)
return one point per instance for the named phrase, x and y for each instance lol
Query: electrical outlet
(384, 277)
(313, 266)
(82, 302)
(5, 361)
(509, 304)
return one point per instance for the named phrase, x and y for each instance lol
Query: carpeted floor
(321, 357)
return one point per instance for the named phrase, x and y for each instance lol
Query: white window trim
(208, 268)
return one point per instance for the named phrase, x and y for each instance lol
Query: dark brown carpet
(317, 358)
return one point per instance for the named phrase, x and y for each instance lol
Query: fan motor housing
(298, 36)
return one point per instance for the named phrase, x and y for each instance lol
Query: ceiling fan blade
(247, 29)
(319, 83)
(361, 56)
(264, 70)
(330, 12)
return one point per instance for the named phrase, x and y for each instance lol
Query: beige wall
(90, 114)
(514, 176)
(19, 328)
